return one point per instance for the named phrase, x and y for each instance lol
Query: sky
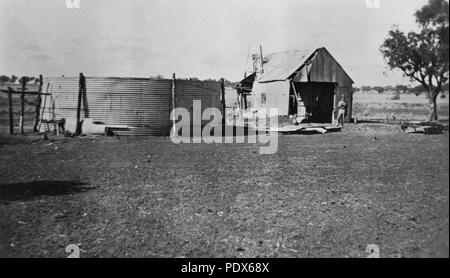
(194, 38)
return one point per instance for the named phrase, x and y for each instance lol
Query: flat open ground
(324, 195)
(374, 105)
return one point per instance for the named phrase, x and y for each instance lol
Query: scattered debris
(306, 129)
(423, 127)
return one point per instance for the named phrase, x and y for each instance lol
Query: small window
(263, 98)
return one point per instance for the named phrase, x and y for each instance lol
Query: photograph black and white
(254, 129)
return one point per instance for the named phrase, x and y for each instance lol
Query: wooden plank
(26, 93)
(317, 129)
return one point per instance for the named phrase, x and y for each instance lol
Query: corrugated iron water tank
(134, 102)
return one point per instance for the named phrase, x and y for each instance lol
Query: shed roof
(281, 65)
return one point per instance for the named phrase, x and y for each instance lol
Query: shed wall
(324, 68)
(271, 95)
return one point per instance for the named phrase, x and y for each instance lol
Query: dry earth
(325, 195)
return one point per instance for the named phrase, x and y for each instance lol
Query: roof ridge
(295, 50)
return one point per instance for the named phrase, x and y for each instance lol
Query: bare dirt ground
(326, 195)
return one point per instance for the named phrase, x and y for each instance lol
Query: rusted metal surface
(317, 63)
(188, 91)
(135, 102)
(324, 68)
(281, 65)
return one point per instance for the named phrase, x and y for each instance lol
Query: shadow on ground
(33, 189)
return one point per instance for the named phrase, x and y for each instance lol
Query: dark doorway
(318, 98)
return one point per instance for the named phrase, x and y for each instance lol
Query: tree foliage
(4, 79)
(25, 79)
(423, 56)
(379, 89)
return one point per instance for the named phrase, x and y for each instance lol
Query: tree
(26, 79)
(388, 88)
(366, 88)
(402, 88)
(379, 89)
(423, 56)
(4, 79)
(157, 77)
(445, 87)
(13, 78)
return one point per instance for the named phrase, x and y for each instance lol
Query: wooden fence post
(173, 104)
(80, 96)
(22, 105)
(11, 114)
(38, 106)
(43, 107)
(222, 89)
(85, 100)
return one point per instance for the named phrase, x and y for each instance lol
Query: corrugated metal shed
(134, 102)
(309, 66)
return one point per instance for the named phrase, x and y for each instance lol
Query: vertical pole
(11, 119)
(22, 105)
(43, 107)
(262, 60)
(80, 95)
(55, 122)
(38, 106)
(173, 104)
(296, 96)
(222, 90)
(85, 101)
(333, 116)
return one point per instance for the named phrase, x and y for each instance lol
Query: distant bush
(157, 77)
(379, 89)
(396, 96)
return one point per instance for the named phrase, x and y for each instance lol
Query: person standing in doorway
(342, 111)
